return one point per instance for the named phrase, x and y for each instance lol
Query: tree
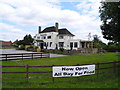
(97, 42)
(110, 17)
(96, 38)
(112, 45)
(27, 40)
(20, 42)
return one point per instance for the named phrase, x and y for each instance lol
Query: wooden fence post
(41, 55)
(48, 55)
(6, 57)
(98, 70)
(114, 67)
(78, 65)
(22, 56)
(27, 77)
(32, 55)
(52, 76)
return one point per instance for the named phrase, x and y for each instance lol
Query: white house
(55, 38)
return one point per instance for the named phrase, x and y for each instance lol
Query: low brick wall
(72, 52)
(89, 50)
(7, 46)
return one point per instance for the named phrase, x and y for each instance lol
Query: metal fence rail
(23, 56)
(115, 65)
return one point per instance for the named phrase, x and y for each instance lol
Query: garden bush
(22, 47)
(30, 48)
(62, 49)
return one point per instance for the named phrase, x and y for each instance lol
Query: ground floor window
(75, 44)
(71, 44)
(50, 44)
(82, 44)
(61, 44)
(41, 45)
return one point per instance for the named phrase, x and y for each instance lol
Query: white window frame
(61, 37)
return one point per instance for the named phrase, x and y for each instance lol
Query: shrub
(43, 50)
(61, 49)
(30, 48)
(22, 47)
(35, 47)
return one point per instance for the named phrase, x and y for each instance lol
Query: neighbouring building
(55, 38)
(5, 43)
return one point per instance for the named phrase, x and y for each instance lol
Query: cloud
(89, 11)
(39, 12)
(28, 12)
(10, 32)
(90, 7)
(45, 13)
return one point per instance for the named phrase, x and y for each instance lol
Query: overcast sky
(21, 17)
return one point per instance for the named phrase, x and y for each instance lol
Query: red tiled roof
(86, 41)
(5, 42)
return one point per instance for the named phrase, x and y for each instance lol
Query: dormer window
(49, 37)
(38, 37)
(43, 37)
(61, 37)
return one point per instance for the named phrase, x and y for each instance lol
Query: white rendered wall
(78, 43)
(55, 40)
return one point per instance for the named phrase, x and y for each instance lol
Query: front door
(71, 45)
(41, 46)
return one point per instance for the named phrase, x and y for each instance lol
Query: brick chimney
(56, 27)
(39, 29)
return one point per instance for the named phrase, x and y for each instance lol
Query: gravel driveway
(10, 51)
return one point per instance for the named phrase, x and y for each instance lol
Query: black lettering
(64, 73)
(78, 73)
(57, 74)
(66, 69)
(89, 72)
(63, 69)
(68, 74)
(81, 68)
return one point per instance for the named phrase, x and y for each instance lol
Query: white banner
(72, 71)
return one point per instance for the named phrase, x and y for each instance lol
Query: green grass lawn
(103, 81)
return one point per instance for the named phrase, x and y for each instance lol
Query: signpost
(73, 71)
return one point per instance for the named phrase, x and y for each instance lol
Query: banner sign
(73, 71)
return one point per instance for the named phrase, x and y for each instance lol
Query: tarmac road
(10, 51)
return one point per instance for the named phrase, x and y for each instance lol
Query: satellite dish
(89, 37)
